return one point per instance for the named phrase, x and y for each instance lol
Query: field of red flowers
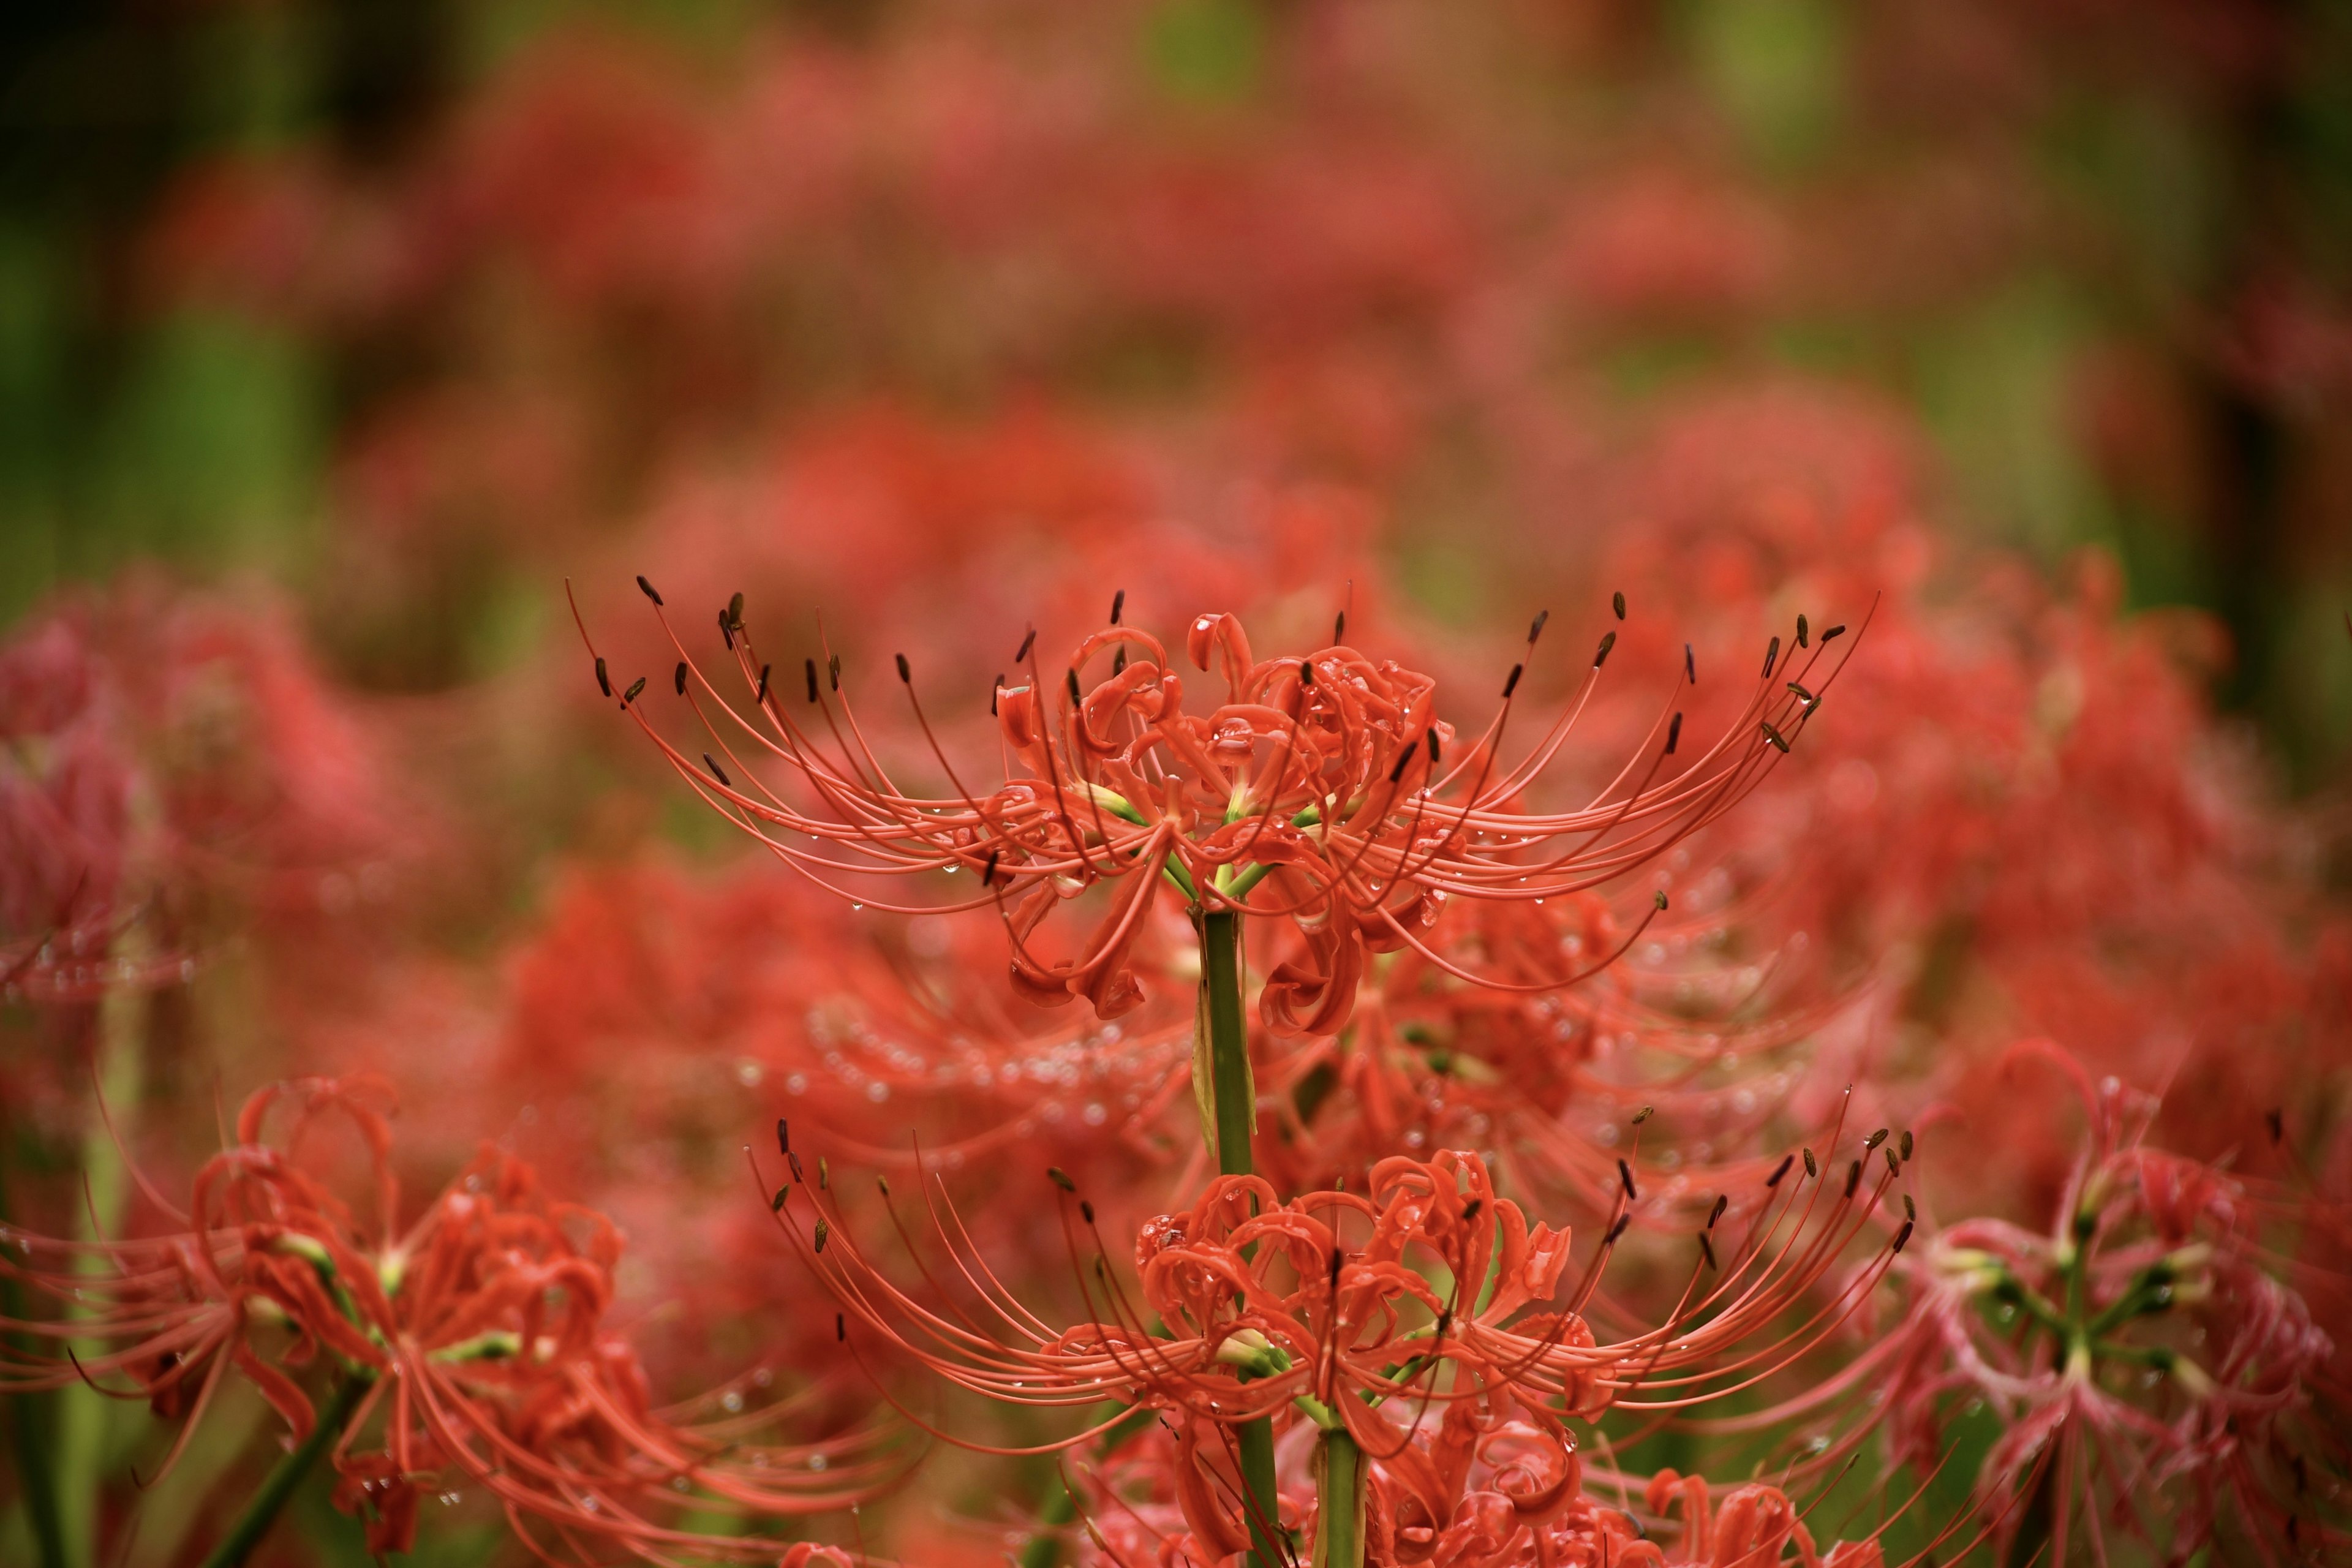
(1301, 782)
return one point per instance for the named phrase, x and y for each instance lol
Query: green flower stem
(30, 1442)
(1340, 1527)
(279, 1487)
(1221, 980)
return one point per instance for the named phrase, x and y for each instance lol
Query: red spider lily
(1752, 1527)
(1323, 779)
(2152, 1370)
(472, 1343)
(1415, 1318)
(1697, 1026)
(1516, 1504)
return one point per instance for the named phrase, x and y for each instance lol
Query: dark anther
(1340, 628)
(1721, 1204)
(1061, 1178)
(1600, 654)
(1404, 755)
(994, 693)
(1803, 696)
(1779, 1170)
(2276, 1122)
(987, 872)
(1904, 1234)
(794, 1161)
(1659, 898)
(1910, 1209)
(1536, 627)
(824, 1176)
(1873, 1140)
(1071, 679)
(1706, 1250)
(1800, 631)
(1431, 738)
(634, 687)
(1811, 1169)
(824, 1230)
(1778, 741)
(905, 676)
(727, 630)
(1838, 630)
(1086, 1211)
(1772, 655)
(1853, 1177)
(760, 694)
(1305, 673)
(1617, 1230)
(776, 1203)
(1617, 603)
(883, 1183)
(840, 1328)
(735, 611)
(1511, 682)
(1117, 604)
(1690, 666)
(604, 678)
(1644, 1115)
(716, 770)
(1673, 735)
(681, 678)
(648, 589)
(784, 1137)
(1625, 1174)
(1026, 642)
(1894, 1165)
(1119, 660)
(1903, 1143)
(1470, 1210)
(812, 680)
(1337, 1257)
(832, 671)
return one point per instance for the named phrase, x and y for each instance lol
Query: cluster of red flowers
(1600, 1139)
(477, 1333)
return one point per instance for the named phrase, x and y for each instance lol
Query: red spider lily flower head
(1423, 1318)
(1685, 1047)
(469, 1346)
(1323, 790)
(2153, 1368)
(1517, 1503)
(1753, 1524)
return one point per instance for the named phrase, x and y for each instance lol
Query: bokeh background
(407, 306)
(338, 334)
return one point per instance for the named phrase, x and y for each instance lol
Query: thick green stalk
(1221, 984)
(30, 1440)
(83, 1415)
(1339, 1513)
(1221, 978)
(279, 1487)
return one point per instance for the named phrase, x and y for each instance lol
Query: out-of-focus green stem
(1044, 1548)
(83, 1415)
(29, 1440)
(1221, 984)
(279, 1486)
